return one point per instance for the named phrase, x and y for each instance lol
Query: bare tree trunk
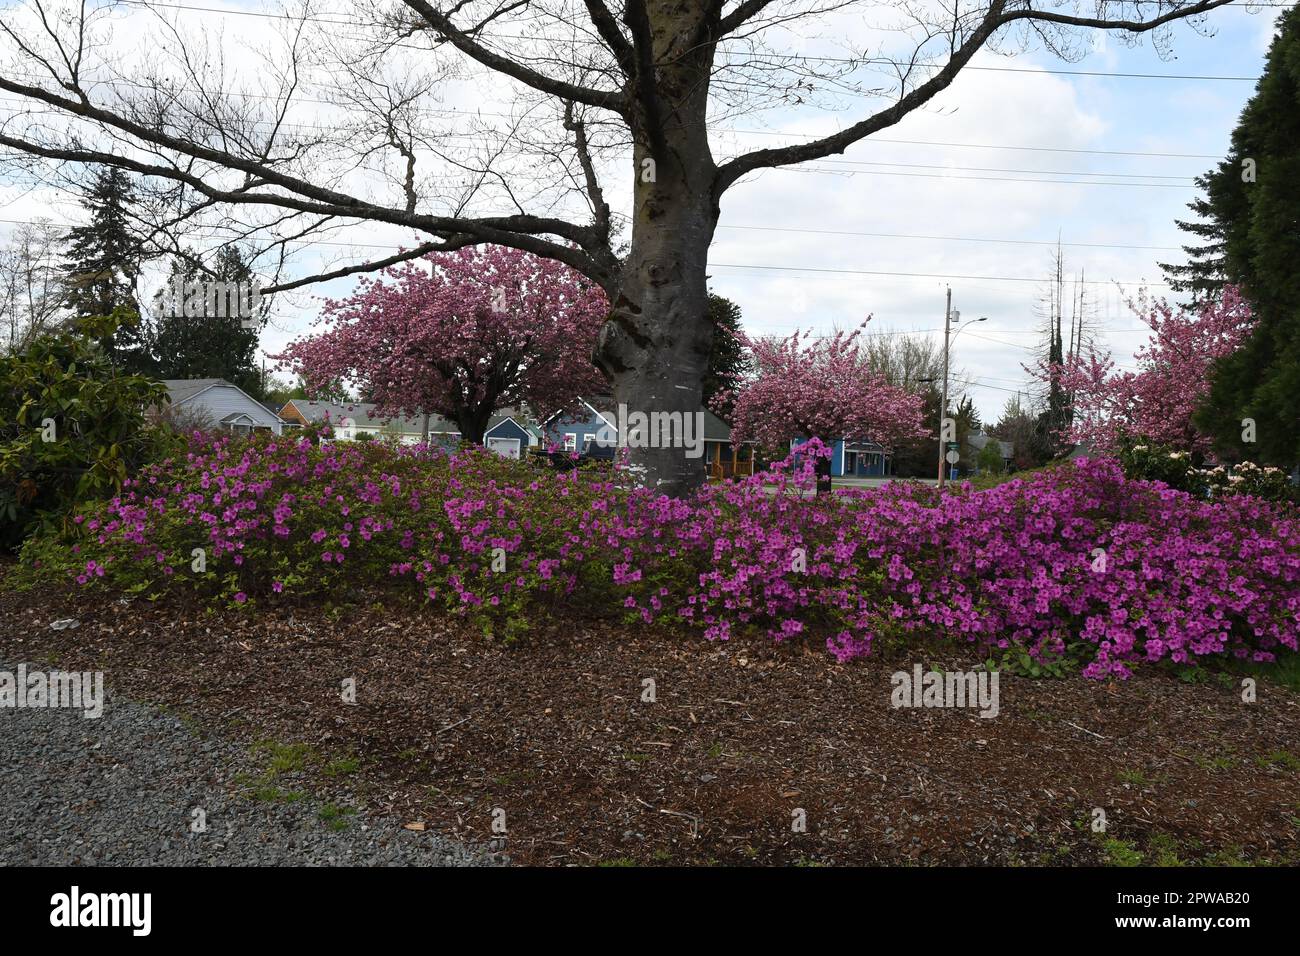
(822, 471)
(655, 346)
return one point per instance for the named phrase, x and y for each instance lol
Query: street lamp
(950, 315)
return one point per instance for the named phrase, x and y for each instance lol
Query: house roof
(496, 420)
(183, 389)
(363, 415)
(715, 429)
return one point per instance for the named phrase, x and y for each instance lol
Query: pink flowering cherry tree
(1173, 377)
(824, 389)
(461, 334)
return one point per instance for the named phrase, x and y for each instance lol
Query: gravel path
(120, 790)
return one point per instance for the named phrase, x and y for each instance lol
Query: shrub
(1146, 461)
(71, 426)
(1074, 557)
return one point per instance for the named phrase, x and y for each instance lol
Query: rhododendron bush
(1076, 555)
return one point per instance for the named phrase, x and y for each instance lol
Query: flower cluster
(1154, 462)
(1075, 556)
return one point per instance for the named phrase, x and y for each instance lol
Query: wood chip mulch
(451, 728)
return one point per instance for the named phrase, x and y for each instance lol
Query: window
(570, 441)
(587, 439)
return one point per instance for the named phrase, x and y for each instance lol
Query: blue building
(574, 429)
(860, 459)
(508, 437)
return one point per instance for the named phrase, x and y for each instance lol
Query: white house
(219, 404)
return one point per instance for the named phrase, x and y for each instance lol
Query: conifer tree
(102, 265)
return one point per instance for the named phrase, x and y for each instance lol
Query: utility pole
(948, 316)
(943, 404)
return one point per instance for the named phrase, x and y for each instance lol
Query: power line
(978, 179)
(864, 61)
(850, 172)
(919, 275)
(927, 142)
(834, 232)
(999, 169)
(449, 112)
(897, 235)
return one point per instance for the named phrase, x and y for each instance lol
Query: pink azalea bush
(1077, 555)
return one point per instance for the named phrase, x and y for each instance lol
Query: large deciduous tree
(343, 123)
(825, 388)
(1157, 401)
(31, 284)
(460, 334)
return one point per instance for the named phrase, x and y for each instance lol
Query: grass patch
(283, 758)
(1121, 853)
(1279, 758)
(342, 766)
(334, 816)
(1285, 670)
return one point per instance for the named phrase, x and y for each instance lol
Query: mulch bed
(450, 726)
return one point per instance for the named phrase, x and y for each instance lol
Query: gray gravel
(120, 791)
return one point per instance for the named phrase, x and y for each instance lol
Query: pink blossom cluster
(476, 329)
(1173, 375)
(820, 387)
(1077, 556)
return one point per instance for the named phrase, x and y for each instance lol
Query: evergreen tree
(1054, 421)
(967, 419)
(102, 262)
(202, 341)
(727, 360)
(1018, 425)
(1255, 204)
(1203, 274)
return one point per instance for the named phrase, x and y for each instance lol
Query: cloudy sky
(972, 193)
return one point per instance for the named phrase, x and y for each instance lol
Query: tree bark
(654, 347)
(473, 423)
(822, 471)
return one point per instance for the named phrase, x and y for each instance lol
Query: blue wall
(508, 429)
(875, 469)
(579, 422)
